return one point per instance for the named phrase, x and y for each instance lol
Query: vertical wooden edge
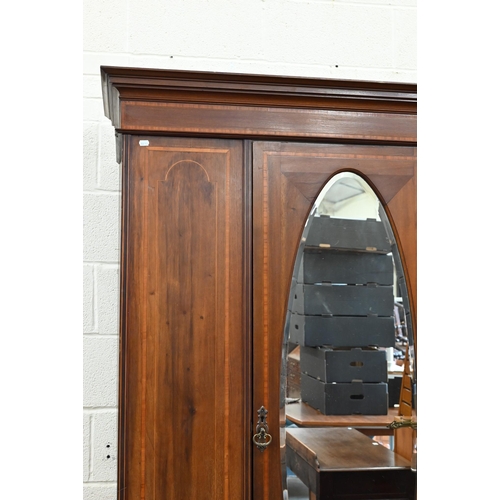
(257, 397)
(122, 370)
(409, 261)
(403, 442)
(248, 294)
(411, 277)
(414, 290)
(268, 479)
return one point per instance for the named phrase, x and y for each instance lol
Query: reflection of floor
(387, 441)
(297, 490)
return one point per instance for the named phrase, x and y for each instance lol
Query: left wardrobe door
(184, 422)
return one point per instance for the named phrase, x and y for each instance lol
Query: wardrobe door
(287, 180)
(184, 383)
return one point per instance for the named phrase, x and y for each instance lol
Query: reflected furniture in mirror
(354, 467)
(348, 314)
(219, 175)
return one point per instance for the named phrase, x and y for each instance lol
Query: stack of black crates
(342, 316)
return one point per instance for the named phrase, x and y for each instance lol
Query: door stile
(268, 315)
(122, 368)
(248, 312)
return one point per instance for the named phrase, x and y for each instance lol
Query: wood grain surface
(184, 399)
(211, 221)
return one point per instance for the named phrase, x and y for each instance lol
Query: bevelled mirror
(348, 350)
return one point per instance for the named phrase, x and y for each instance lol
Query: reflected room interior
(348, 359)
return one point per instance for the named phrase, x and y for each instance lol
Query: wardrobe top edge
(288, 84)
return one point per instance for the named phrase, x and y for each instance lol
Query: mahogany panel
(258, 106)
(185, 392)
(287, 179)
(223, 120)
(402, 212)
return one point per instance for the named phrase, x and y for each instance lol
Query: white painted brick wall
(99, 491)
(100, 371)
(90, 152)
(352, 39)
(88, 299)
(104, 449)
(86, 446)
(101, 213)
(108, 172)
(107, 288)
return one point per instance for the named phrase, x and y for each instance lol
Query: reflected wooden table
(341, 464)
(304, 415)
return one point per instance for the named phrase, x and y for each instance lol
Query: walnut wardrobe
(219, 173)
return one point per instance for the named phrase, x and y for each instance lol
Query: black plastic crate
(355, 398)
(348, 234)
(342, 365)
(352, 268)
(343, 300)
(342, 331)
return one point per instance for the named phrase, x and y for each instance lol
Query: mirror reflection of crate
(342, 316)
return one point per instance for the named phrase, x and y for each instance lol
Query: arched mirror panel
(348, 357)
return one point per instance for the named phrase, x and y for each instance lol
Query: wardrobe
(219, 173)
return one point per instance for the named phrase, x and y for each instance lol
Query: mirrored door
(288, 178)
